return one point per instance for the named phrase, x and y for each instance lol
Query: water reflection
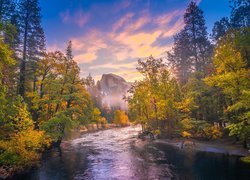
(117, 154)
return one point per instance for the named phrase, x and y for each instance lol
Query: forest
(200, 89)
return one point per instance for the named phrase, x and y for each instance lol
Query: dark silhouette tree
(192, 50)
(32, 41)
(196, 30)
(220, 28)
(239, 18)
(179, 57)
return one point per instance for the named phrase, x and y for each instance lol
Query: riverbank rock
(188, 144)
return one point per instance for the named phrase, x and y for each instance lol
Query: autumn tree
(232, 77)
(20, 144)
(60, 101)
(153, 100)
(120, 118)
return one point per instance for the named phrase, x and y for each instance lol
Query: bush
(23, 149)
(200, 129)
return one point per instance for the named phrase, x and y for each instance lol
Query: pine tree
(220, 28)
(195, 27)
(179, 57)
(32, 41)
(7, 10)
(192, 49)
(240, 16)
(8, 23)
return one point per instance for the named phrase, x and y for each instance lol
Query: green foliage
(153, 101)
(232, 77)
(207, 102)
(5, 56)
(245, 159)
(60, 101)
(55, 127)
(199, 129)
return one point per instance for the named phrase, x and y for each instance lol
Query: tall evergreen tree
(195, 27)
(7, 9)
(240, 16)
(192, 49)
(32, 41)
(179, 57)
(220, 28)
(8, 23)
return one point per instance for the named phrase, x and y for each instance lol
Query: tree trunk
(23, 61)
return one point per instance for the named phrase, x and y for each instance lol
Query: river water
(117, 154)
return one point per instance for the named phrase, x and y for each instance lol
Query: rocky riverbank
(217, 146)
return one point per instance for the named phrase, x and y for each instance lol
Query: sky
(109, 36)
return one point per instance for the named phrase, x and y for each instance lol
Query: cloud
(130, 75)
(78, 17)
(131, 36)
(139, 44)
(122, 5)
(53, 47)
(121, 22)
(130, 65)
(85, 58)
(132, 40)
(139, 23)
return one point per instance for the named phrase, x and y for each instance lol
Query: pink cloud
(79, 17)
(132, 41)
(122, 22)
(85, 57)
(139, 23)
(122, 5)
(165, 19)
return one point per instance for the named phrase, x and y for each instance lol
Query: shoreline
(221, 146)
(218, 146)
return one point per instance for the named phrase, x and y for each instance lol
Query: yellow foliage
(120, 118)
(157, 132)
(186, 134)
(212, 132)
(102, 120)
(187, 124)
(23, 149)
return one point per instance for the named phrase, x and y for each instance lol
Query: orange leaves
(121, 118)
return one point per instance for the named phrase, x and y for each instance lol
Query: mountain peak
(112, 76)
(112, 89)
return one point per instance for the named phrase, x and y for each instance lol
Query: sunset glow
(112, 35)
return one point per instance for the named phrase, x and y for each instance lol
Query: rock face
(112, 88)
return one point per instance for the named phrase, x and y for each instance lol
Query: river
(117, 154)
